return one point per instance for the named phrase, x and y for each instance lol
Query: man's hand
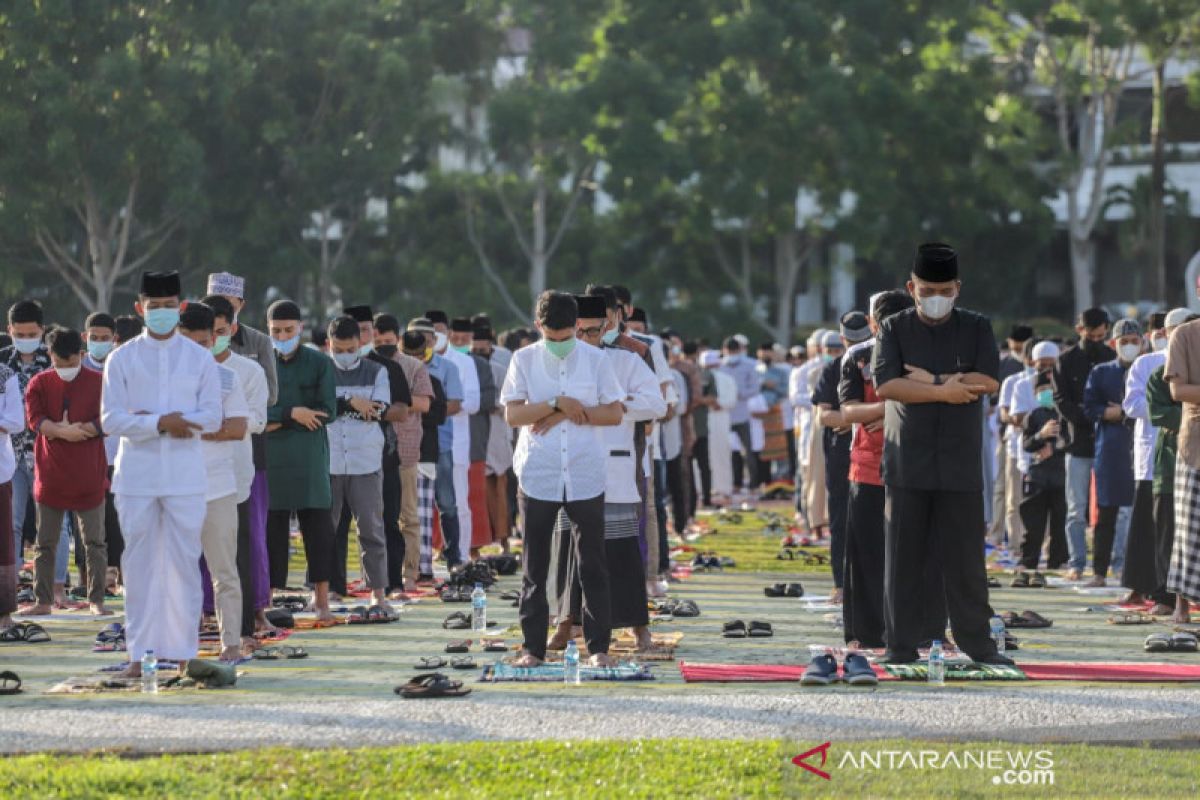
(71, 433)
(572, 409)
(308, 418)
(955, 392)
(1049, 430)
(875, 427)
(1114, 413)
(918, 374)
(1041, 455)
(272, 427)
(545, 424)
(175, 426)
(365, 407)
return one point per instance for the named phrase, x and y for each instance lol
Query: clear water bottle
(478, 608)
(150, 672)
(571, 664)
(998, 634)
(937, 664)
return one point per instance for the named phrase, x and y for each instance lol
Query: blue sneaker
(857, 671)
(821, 672)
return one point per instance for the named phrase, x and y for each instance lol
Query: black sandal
(431, 685)
(458, 621)
(734, 630)
(459, 647)
(431, 662)
(795, 590)
(777, 590)
(761, 629)
(463, 662)
(494, 646)
(10, 683)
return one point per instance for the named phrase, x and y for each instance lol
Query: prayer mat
(774, 436)
(956, 672)
(950, 653)
(553, 673)
(307, 621)
(1135, 672)
(73, 617)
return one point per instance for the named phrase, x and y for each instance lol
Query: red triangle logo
(802, 760)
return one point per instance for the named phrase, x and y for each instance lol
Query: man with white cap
(1141, 574)
(245, 341)
(800, 395)
(720, 453)
(741, 368)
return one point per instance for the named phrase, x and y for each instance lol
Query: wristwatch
(553, 403)
(937, 379)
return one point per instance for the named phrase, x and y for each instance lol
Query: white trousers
(163, 598)
(462, 496)
(218, 539)
(720, 453)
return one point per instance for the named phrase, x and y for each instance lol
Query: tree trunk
(787, 274)
(538, 257)
(1158, 181)
(1083, 257)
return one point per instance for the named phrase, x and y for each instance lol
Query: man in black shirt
(1079, 433)
(933, 364)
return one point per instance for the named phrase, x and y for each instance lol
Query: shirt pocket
(184, 388)
(584, 391)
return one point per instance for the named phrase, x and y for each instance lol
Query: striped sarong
(1184, 575)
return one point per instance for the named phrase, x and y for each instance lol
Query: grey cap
(1126, 327)
(832, 339)
(854, 326)
(1176, 317)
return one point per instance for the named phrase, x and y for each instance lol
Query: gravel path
(1076, 713)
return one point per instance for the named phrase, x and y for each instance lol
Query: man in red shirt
(62, 408)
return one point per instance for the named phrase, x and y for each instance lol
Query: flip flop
(1184, 643)
(494, 646)
(777, 590)
(734, 630)
(378, 613)
(458, 621)
(795, 590)
(760, 630)
(463, 646)
(1157, 643)
(685, 609)
(463, 662)
(10, 683)
(431, 662)
(431, 685)
(32, 633)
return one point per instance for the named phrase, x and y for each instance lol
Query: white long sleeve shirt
(470, 404)
(12, 419)
(220, 458)
(643, 402)
(145, 379)
(1136, 407)
(257, 393)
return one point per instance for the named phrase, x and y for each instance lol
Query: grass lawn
(752, 546)
(656, 768)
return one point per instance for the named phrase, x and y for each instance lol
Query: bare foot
(324, 615)
(1160, 610)
(602, 660)
(643, 641)
(562, 635)
(37, 610)
(249, 645)
(231, 653)
(99, 611)
(527, 659)
(1096, 582)
(835, 596)
(1133, 598)
(261, 625)
(1074, 575)
(132, 670)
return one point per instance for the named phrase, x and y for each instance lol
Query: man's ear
(912, 287)
(182, 305)
(137, 306)
(233, 328)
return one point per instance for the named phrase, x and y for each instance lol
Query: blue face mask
(365, 350)
(346, 361)
(99, 350)
(162, 321)
(286, 347)
(610, 336)
(1045, 398)
(27, 346)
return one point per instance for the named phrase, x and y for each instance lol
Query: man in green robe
(298, 455)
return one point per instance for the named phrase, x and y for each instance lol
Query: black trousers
(749, 460)
(1141, 548)
(863, 570)
(391, 526)
(316, 526)
(700, 454)
(793, 462)
(1043, 505)
(837, 489)
(587, 546)
(1103, 535)
(112, 528)
(923, 526)
(245, 568)
(341, 551)
(677, 491)
(1164, 528)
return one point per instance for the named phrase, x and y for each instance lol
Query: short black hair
(605, 292)
(25, 311)
(100, 319)
(690, 347)
(318, 337)
(284, 310)
(890, 302)
(1020, 333)
(768, 344)
(1156, 321)
(733, 345)
(344, 327)
(413, 341)
(64, 342)
(387, 323)
(624, 296)
(557, 310)
(126, 327)
(220, 306)
(196, 317)
(1093, 318)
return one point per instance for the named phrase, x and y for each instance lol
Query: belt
(620, 453)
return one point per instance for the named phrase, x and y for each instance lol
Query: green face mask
(1045, 398)
(222, 344)
(463, 348)
(561, 349)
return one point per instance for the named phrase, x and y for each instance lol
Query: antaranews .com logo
(1007, 766)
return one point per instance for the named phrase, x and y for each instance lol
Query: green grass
(751, 546)
(653, 768)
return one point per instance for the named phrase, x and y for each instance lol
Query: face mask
(610, 336)
(1159, 344)
(220, 346)
(439, 343)
(1092, 348)
(428, 355)
(1129, 352)
(935, 306)
(1045, 398)
(286, 347)
(346, 361)
(560, 349)
(67, 373)
(364, 351)
(162, 321)
(27, 346)
(826, 357)
(386, 350)
(99, 350)
(463, 348)
(677, 351)
(1030, 370)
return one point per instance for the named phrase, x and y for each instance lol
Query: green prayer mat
(957, 672)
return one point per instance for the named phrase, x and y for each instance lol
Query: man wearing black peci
(932, 364)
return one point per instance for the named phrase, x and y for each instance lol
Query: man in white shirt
(563, 466)
(222, 450)
(12, 419)
(255, 386)
(461, 420)
(161, 392)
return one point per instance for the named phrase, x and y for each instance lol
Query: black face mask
(1092, 348)
(386, 350)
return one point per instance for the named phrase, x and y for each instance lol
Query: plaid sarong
(958, 672)
(425, 506)
(549, 673)
(1184, 575)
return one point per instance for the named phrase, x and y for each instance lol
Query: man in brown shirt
(1182, 373)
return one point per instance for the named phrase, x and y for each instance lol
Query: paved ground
(342, 694)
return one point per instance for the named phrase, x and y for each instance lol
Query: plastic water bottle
(937, 664)
(998, 634)
(571, 664)
(150, 672)
(478, 608)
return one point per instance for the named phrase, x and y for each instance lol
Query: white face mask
(439, 344)
(1129, 352)
(935, 306)
(1159, 344)
(67, 373)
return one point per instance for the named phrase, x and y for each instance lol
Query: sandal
(1130, 618)
(786, 555)
(266, 654)
(1157, 643)
(1037, 581)
(1035, 620)
(463, 662)
(290, 652)
(685, 609)
(463, 646)
(761, 629)
(777, 590)
(431, 662)
(511, 595)
(32, 633)
(1184, 643)
(734, 630)
(458, 621)
(431, 685)
(494, 646)
(795, 590)
(379, 613)
(10, 683)
(357, 615)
